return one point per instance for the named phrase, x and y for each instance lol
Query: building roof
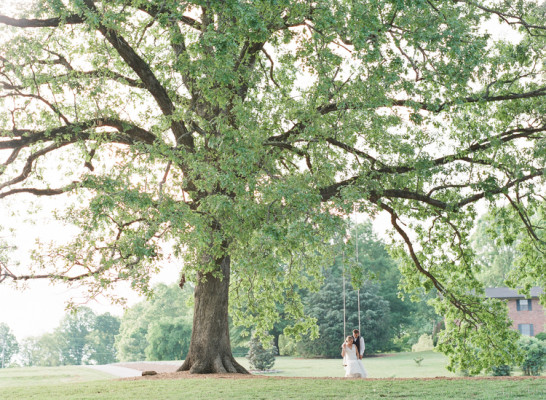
(506, 293)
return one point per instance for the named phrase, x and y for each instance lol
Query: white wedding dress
(353, 365)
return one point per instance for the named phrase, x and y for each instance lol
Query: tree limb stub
(40, 23)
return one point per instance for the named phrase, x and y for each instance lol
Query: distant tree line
(81, 338)
(158, 328)
(8, 345)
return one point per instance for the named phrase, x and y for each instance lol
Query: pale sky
(40, 307)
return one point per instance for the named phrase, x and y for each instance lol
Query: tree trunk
(210, 349)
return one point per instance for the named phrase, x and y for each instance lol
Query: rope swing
(358, 290)
(344, 305)
(344, 290)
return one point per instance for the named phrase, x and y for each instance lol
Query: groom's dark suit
(359, 342)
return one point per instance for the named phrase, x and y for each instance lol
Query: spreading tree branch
(41, 23)
(507, 17)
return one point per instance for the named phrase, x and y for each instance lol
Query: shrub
(541, 336)
(260, 358)
(501, 370)
(403, 343)
(425, 343)
(534, 355)
(287, 346)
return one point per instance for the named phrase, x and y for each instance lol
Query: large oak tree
(241, 132)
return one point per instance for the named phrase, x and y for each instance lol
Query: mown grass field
(38, 376)
(401, 365)
(63, 383)
(284, 388)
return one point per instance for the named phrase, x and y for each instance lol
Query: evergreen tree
(259, 357)
(327, 307)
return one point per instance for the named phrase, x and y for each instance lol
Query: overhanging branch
(128, 133)
(503, 189)
(60, 137)
(40, 191)
(41, 23)
(506, 17)
(464, 307)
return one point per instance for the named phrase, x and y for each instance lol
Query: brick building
(527, 314)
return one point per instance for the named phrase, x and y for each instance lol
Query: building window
(524, 305)
(526, 329)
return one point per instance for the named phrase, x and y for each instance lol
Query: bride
(353, 365)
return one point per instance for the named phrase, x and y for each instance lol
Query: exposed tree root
(219, 365)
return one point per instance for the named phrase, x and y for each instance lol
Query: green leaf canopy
(244, 131)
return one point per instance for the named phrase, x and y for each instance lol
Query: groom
(359, 341)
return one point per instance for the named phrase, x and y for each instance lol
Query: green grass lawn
(284, 388)
(75, 382)
(400, 365)
(36, 376)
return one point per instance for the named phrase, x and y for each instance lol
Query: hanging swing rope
(358, 298)
(344, 304)
(356, 251)
(343, 275)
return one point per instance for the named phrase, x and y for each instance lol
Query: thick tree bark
(210, 349)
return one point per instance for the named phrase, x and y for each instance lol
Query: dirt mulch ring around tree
(168, 371)
(159, 367)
